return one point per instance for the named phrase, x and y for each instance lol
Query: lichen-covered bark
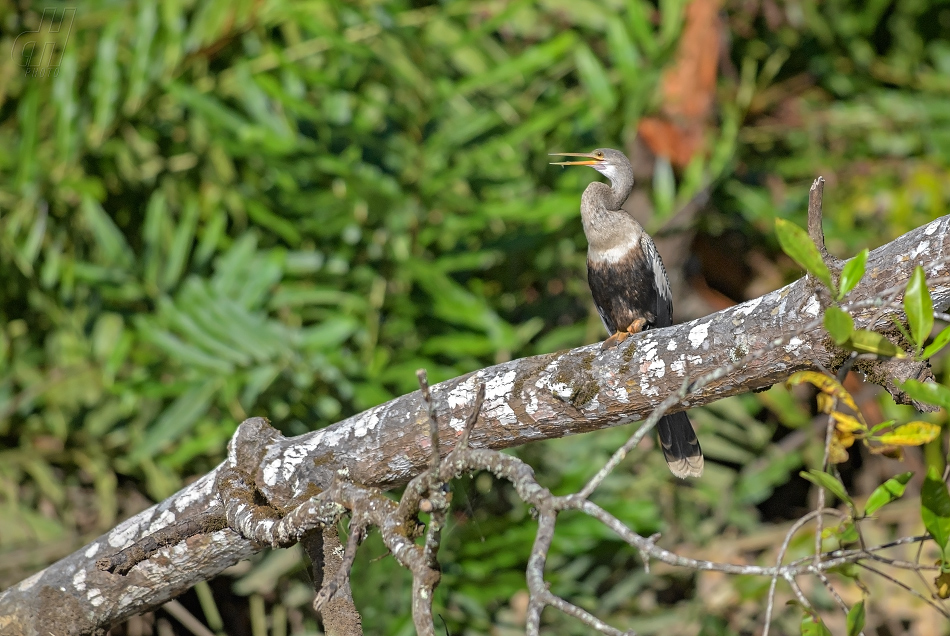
(533, 398)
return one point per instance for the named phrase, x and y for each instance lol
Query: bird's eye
(600, 155)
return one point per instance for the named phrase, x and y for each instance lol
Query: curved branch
(535, 398)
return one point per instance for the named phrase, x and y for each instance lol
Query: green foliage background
(222, 209)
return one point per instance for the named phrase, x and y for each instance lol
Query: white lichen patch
(698, 334)
(671, 345)
(657, 368)
(199, 490)
(165, 519)
(29, 582)
(95, 597)
(502, 412)
(271, 472)
(694, 359)
(678, 367)
(812, 307)
(648, 350)
(91, 550)
(499, 387)
(343, 472)
(920, 249)
(124, 533)
(79, 580)
(933, 227)
(463, 393)
(747, 308)
(371, 423)
(793, 344)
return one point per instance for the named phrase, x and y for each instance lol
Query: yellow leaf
(825, 384)
(942, 583)
(847, 423)
(894, 452)
(845, 439)
(836, 452)
(910, 434)
(826, 403)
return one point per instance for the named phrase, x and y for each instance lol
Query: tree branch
(747, 347)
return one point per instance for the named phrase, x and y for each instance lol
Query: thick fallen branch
(757, 344)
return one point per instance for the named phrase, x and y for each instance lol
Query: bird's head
(611, 163)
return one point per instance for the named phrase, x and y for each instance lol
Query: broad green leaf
(796, 243)
(852, 273)
(887, 492)
(828, 482)
(935, 508)
(812, 626)
(855, 620)
(919, 307)
(929, 392)
(939, 343)
(864, 341)
(911, 434)
(839, 324)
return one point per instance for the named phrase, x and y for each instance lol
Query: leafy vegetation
(213, 210)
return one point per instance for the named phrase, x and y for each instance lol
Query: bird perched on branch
(629, 284)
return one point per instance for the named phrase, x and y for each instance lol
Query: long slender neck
(606, 224)
(621, 183)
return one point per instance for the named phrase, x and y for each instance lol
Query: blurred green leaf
(796, 243)
(928, 392)
(829, 483)
(852, 273)
(865, 341)
(935, 509)
(855, 619)
(919, 307)
(176, 419)
(939, 343)
(812, 626)
(839, 324)
(887, 492)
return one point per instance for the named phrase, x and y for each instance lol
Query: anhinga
(629, 283)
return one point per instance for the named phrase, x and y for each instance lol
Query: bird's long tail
(680, 445)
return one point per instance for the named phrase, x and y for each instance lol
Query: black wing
(661, 284)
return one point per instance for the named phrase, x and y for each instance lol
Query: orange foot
(614, 340)
(637, 325)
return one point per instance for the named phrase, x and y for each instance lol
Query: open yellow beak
(591, 161)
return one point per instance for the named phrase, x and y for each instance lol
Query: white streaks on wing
(656, 263)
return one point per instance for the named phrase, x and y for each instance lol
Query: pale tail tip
(687, 467)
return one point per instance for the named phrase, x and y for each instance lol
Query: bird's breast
(623, 251)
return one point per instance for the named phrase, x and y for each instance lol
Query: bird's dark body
(624, 291)
(630, 287)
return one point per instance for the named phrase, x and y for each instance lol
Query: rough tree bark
(546, 396)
